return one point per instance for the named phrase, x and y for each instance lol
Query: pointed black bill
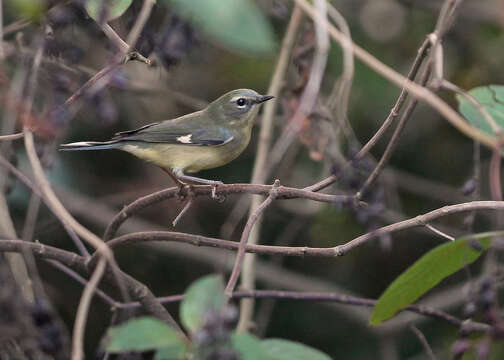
(263, 98)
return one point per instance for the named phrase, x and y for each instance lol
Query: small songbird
(201, 140)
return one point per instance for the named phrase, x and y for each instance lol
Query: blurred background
(430, 166)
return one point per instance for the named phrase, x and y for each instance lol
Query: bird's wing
(178, 132)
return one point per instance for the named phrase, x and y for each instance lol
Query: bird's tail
(89, 145)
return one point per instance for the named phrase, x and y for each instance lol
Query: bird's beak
(263, 98)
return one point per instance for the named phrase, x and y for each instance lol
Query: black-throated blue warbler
(201, 140)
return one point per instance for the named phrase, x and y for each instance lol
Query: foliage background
(431, 164)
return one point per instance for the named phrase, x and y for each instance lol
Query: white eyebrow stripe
(186, 139)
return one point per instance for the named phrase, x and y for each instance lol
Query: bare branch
(245, 235)
(424, 342)
(416, 91)
(83, 310)
(420, 220)
(11, 137)
(224, 189)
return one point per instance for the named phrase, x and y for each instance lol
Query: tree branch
(224, 189)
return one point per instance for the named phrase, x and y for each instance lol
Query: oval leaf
(248, 346)
(236, 24)
(203, 296)
(491, 97)
(171, 353)
(113, 8)
(279, 349)
(428, 271)
(142, 334)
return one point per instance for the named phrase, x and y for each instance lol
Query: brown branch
(235, 273)
(352, 300)
(335, 298)
(416, 91)
(139, 291)
(34, 188)
(224, 189)
(394, 140)
(423, 341)
(45, 252)
(186, 207)
(198, 240)
(394, 112)
(83, 309)
(11, 137)
(419, 220)
(81, 280)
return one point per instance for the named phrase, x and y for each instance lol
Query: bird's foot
(184, 190)
(218, 198)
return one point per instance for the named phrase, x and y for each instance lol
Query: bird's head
(237, 107)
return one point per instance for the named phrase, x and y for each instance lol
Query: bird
(201, 140)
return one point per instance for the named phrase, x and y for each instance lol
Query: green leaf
(248, 346)
(279, 349)
(236, 24)
(171, 353)
(203, 296)
(113, 8)
(491, 97)
(428, 271)
(28, 9)
(141, 334)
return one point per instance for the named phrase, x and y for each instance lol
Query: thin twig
(11, 137)
(101, 78)
(394, 112)
(340, 94)
(417, 91)
(34, 188)
(419, 220)
(439, 232)
(15, 26)
(417, 63)
(83, 310)
(140, 22)
(186, 207)
(2, 52)
(54, 203)
(235, 273)
(424, 342)
(393, 140)
(495, 174)
(74, 261)
(123, 45)
(341, 299)
(81, 280)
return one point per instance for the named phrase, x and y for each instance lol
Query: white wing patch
(186, 139)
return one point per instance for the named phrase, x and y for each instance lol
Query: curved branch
(46, 252)
(418, 92)
(419, 220)
(197, 240)
(225, 189)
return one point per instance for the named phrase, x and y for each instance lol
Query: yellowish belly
(186, 158)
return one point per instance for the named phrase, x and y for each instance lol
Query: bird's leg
(176, 180)
(214, 183)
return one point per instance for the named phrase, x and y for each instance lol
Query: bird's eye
(241, 102)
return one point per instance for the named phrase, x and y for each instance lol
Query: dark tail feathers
(88, 145)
